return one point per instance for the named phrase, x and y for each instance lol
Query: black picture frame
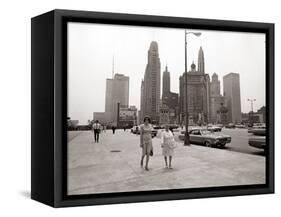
(49, 106)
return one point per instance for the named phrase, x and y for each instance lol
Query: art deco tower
(215, 85)
(151, 84)
(166, 81)
(201, 61)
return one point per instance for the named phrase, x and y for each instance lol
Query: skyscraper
(151, 84)
(201, 61)
(169, 99)
(215, 85)
(117, 91)
(166, 81)
(198, 93)
(216, 100)
(231, 88)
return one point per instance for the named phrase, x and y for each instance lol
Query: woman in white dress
(168, 145)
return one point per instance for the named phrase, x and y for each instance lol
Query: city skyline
(91, 47)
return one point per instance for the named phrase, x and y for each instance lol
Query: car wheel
(208, 144)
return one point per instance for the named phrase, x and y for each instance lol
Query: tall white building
(231, 89)
(117, 91)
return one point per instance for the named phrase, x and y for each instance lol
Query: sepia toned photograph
(152, 108)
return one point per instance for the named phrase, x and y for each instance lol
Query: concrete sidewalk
(113, 165)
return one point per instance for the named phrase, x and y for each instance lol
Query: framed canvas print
(134, 108)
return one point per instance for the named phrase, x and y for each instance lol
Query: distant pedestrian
(124, 129)
(168, 145)
(113, 129)
(104, 128)
(96, 128)
(146, 141)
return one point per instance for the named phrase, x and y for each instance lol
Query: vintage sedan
(214, 128)
(257, 142)
(136, 130)
(230, 126)
(208, 138)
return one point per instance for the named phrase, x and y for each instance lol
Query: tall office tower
(152, 83)
(215, 85)
(231, 88)
(201, 61)
(166, 81)
(117, 91)
(217, 101)
(170, 100)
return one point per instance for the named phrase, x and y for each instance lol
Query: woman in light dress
(146, 141)
(168, 145)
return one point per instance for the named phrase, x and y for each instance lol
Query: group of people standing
(167, 143)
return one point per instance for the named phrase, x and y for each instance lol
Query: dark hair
(148, 118)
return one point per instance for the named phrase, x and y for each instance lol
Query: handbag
(151, 152)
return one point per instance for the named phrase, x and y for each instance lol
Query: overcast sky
(91, 48)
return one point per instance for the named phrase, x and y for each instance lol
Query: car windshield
(205, 132)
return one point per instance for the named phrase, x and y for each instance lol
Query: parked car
(257, 142)
(257, 131)
(214, 128)
(240, 126)
(154, 133)
(84, 127)
(230, 126)
(208, 138)
(135, 130)
(220, 125)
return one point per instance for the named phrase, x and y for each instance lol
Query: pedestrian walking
(146, 141)
(113, 129)
(96, 128)
(168, 145)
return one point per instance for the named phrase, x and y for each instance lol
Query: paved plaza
(113, 165)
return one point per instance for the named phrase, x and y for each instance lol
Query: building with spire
(201, 61)
(166, 81)
(198, 93)
(150, 100)
(169, 107)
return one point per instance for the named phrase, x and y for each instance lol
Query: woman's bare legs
(146, 163)
(141, 163)
(165, 157)
(170, 162)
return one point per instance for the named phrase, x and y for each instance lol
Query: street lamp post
(186, 138)
(252, 109)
